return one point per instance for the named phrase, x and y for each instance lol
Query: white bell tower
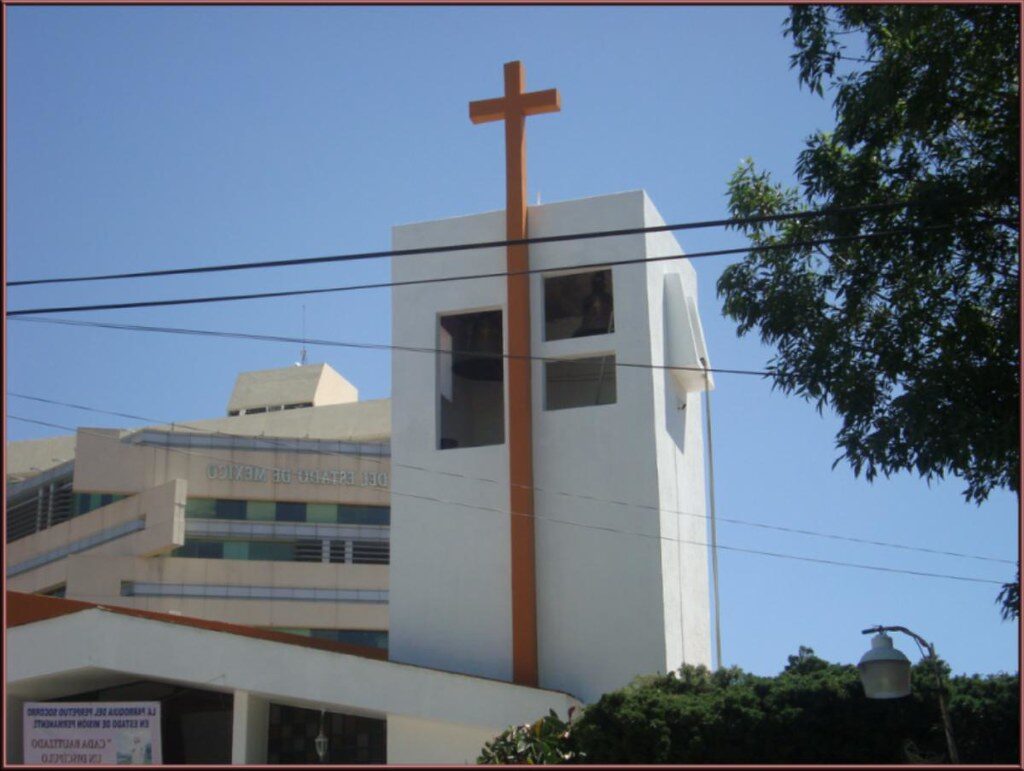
(620, 528)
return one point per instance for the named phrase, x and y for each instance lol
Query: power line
(730, 222)
(367, 346)
(478, 507)
(745, 523)
(446, 279)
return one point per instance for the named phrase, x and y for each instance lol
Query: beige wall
(98, 579)
(162, 508)
(30, 457)
(317, 384)
(107, 464)
(412, 740)
(158, 482)
(368, 421)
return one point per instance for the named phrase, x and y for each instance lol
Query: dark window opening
(578, 305)
(287, 511)
(309, 551)
(471, 380)
(364, 515)
(229, 509)
(371, 552)
(579, 382)
(350, 739)
(195, 725)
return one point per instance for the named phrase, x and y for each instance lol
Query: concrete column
(15, 735)
(249, 729)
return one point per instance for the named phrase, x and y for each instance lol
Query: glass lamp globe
(320, 743)
(884, 671)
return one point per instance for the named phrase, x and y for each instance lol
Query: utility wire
(478, 507)
(729, 222)
(446, 279)
(367, 346)
(628, 505)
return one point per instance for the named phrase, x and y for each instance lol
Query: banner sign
(66, 733)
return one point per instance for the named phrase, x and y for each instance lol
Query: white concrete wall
(250, 724)
(679, 440)
(599, 582)
(415, 741)
(439, 714)
(618, 595)
(449, 532)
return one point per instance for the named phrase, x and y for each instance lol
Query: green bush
(812, 712)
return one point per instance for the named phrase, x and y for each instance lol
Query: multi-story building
(275, 516)
(183, 550)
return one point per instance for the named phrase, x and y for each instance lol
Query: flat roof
(24, 608)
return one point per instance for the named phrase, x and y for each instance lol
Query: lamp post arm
(919, 638)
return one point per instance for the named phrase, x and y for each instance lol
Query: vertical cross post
(513, 108)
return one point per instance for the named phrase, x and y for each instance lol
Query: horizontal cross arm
(487, 110)
(541, 101)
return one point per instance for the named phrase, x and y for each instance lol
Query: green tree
(547, 741)
(814, 711)
(911, 338)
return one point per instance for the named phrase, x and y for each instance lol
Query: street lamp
(885, 673)
(320, 742)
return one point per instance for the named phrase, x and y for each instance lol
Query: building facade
(310, 560)
(277, 516)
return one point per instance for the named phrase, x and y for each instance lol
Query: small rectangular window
(229, 509)
(363, 515)
(579, 382)
(309, 550)
(290, 512)
(578, 305)
(278, 551)
(200, 508)
(337, 551)
(471, 380)
(371, 552)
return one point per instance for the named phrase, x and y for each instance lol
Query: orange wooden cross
(513, 109)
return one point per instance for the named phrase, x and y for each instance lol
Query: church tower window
(578, 305)
(471, 380)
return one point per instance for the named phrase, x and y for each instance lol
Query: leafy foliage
(911, 337)
(545, 742)
(1009, 598)
(812, 712)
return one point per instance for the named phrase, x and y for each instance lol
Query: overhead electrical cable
(366, 346)
(540, 516)
(747, 523)
(475, 276)
(728, 222)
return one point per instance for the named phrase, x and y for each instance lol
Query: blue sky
(146, 138)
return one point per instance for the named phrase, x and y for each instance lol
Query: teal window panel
(200, 508)
(272, 550)
(236, 550)
(260, 510)
(321, 512)
(364, 515)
